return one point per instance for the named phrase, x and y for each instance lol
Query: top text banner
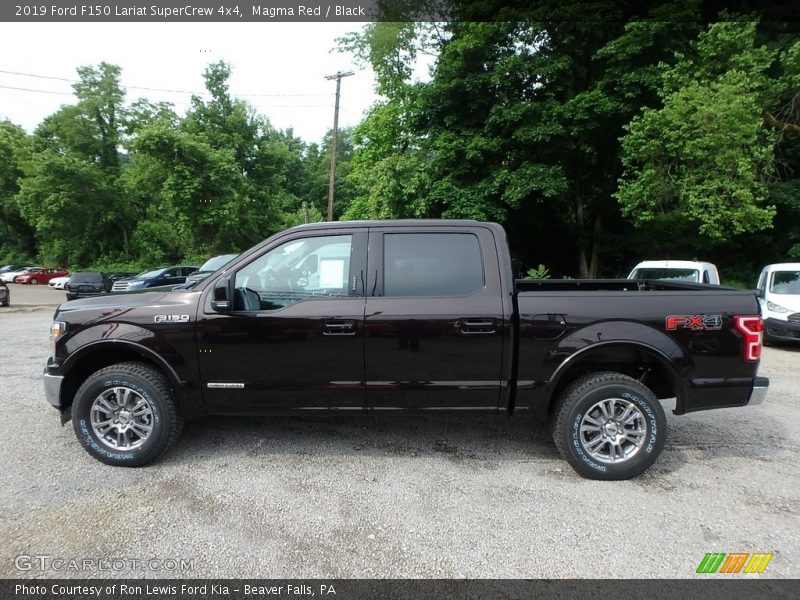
(393, 10)
(190, 11)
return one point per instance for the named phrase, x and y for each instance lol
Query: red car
(42, 276)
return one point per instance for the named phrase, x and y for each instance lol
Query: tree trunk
(580, 221)
(598, 228)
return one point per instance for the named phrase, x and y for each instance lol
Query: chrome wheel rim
(613, 430)
(121, 418)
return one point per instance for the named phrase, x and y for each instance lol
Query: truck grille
(794, 319)
(119, 286)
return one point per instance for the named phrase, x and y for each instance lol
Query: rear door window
(432, 264)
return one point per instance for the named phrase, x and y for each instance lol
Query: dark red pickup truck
(395, 316)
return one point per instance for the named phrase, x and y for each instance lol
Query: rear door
(434, 319)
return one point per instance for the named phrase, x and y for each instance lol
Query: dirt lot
(383, 497)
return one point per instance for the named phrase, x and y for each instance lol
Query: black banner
(391, 10)
(712, 588)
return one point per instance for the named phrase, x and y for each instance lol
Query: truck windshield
(663, 273)
(785, 282)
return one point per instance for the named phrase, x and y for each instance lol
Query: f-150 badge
(694, 322)
(171, 318)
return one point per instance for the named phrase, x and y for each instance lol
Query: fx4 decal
(694, 322)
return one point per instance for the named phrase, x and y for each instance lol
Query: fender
(181, 370)
(582, 343)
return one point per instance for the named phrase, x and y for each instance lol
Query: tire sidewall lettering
(575, 439)
(96, 446)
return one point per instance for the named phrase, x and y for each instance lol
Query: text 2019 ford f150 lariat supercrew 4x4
(397, 316)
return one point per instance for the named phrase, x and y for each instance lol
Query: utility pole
(338, 78)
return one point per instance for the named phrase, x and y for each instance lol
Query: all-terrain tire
(608, 426)
(149, 402)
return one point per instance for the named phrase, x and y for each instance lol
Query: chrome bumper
(52, 388)
(759, 393)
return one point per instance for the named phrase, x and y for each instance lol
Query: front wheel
(126, 414)
(609, 426)
(34, 282)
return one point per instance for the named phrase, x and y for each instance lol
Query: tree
(16, 235)
(706, 154)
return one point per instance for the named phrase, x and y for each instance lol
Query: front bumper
(759, 393)
(52, 388)
(778, 329)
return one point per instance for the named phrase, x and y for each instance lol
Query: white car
(58, 283)
(779, 294)
(677, 270)
(9, 277)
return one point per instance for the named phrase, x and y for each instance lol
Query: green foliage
(705, 154)
(540, 272)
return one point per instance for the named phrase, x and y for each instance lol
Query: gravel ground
(390, 497)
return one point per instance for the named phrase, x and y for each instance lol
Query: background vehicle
(85, 284)
(113, 276)
(210, 266)
(10, 276)
(398, 317)
(155, 277)
(678, 270)
(59, 283)
(779, 294)
(40, 276)
(5, 294)
(12, 268)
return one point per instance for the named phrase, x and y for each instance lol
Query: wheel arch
(95, 356)
(645, 363)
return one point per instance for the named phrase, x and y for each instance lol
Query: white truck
(779, 295)
(678, 270)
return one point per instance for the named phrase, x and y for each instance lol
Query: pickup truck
(396, 316)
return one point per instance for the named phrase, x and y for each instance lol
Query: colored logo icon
(734, 562)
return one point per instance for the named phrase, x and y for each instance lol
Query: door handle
(339, 328)
(476, 326)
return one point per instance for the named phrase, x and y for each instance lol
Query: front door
(294, 339)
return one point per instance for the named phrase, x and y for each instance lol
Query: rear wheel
(126, 414)
(609, 426)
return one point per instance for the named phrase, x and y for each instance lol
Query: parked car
(678, 270)
(85, 284)
(5, 294)
(113, 276)
(397, 317)
(212, 265)
(12, 268)
(157, 277)
(59, 283)
(10, 276)
(779, 294)
(40, 276)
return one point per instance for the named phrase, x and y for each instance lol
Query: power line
(152, 89)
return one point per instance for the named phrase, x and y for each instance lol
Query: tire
(142, 397)
(616, 449)
(34, 282)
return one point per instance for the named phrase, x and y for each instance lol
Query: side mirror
(222, 295)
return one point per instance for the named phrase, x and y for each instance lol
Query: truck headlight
(777, 308)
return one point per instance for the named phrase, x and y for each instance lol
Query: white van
(679, 270)
(779, 294)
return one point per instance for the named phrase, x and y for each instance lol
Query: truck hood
(114, 302)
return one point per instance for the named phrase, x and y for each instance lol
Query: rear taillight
(751, 328)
